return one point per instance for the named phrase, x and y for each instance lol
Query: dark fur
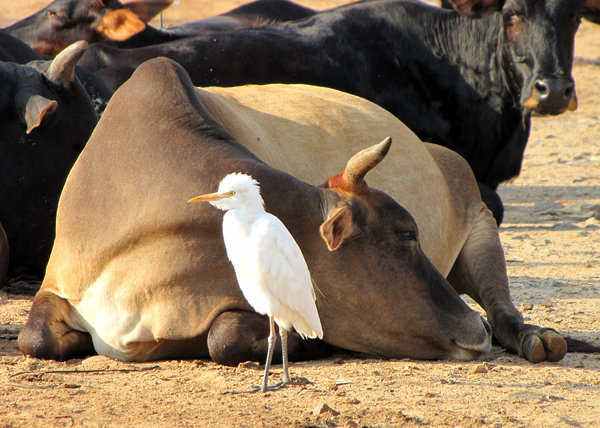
(33, 167)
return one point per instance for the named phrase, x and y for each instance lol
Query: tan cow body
(334, 125)
(146, 274)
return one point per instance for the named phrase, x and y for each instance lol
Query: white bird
(268, 264)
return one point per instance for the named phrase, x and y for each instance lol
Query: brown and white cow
(139, 274)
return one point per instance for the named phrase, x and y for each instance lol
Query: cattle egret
(269, 265)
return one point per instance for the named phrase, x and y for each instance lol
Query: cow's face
(540, 37)
(404, 306)
(64, 22)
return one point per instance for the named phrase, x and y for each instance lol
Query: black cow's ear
(119, 25)
(36, 110)
(591, 10)
(337, 227)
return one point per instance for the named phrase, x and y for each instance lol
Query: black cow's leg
(493, 201)
(3, 253)
(480, 272)
(238, 336)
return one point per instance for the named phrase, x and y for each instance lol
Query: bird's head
(236, 190)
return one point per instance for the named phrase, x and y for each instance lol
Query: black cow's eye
(61, 16)
(406, 235)
(514, 17)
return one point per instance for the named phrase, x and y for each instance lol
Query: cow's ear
(146, 10)
(119, 25)
(337, 227)
(477, 8)
(37, 109)
(591, 10)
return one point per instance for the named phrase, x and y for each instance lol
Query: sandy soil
(552, 241)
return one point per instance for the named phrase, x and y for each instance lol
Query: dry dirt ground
(551, 236)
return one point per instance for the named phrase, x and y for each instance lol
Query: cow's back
(310, 131)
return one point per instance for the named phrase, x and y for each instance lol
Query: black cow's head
(64, 22)
(540, 38)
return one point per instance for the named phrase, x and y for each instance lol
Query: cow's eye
(57, 15)
(514, 17)
(406, 235)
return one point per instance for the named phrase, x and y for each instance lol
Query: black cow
(66, 21)
(46, 118)
(63, 22)
(15, 50)
(470, 85)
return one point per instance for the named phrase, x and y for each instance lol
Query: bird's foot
(299, 381)
(258, 388)
(275, 387)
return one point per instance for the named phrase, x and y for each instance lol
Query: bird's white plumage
(269, 265)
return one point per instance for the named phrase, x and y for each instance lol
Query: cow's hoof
(543, 344)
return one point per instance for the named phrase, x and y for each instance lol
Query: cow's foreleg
(238, 336)
(480, 272)
(46, 334)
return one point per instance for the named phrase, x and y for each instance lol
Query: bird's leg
(286, 373)
(271, 343)
(284, 356)
(264, 387)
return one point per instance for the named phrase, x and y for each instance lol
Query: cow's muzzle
(552, 96)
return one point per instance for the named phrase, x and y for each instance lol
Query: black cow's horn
(364, 161)
(62, 68)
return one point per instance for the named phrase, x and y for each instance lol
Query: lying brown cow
(139, 274)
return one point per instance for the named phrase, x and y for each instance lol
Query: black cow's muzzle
(552, 96)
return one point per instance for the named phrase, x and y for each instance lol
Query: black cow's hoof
(543, 344)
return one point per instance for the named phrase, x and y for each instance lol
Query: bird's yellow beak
(211, 197)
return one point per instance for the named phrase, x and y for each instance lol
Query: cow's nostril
(569, 91)
(541, 88)
(554, 95)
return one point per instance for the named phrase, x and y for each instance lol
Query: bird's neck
(248, 213)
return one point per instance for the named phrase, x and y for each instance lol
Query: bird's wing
(289, 279)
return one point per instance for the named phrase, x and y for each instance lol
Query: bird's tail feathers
(311, 329)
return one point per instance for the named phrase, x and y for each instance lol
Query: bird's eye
(232, 193)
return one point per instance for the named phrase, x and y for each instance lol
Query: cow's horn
(62, 68)
(364, 161)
